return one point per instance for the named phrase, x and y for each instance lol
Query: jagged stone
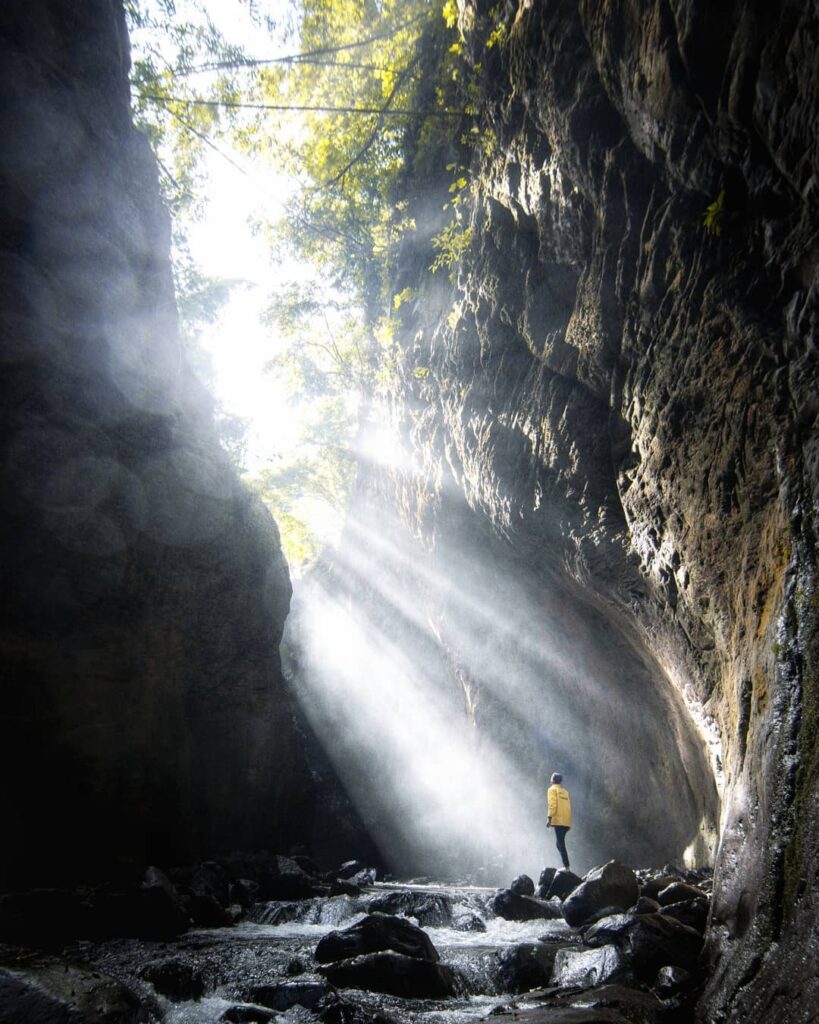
(646, 905)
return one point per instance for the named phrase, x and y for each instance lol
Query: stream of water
(276, 944)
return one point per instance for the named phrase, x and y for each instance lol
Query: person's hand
(549, 823)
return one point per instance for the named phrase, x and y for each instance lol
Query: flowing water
(277, 940)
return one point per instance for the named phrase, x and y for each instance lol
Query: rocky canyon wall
(615, 399)
(144, 718)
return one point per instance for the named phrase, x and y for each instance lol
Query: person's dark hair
(557, 778)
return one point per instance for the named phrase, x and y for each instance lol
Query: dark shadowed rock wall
(143, 714)
(626, 403)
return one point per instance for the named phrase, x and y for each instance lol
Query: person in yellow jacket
(559, 809)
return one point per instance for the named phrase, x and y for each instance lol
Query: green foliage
(318, 472)
(713, 217)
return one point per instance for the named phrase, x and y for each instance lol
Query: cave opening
(403, 402)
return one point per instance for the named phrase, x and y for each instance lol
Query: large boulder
(585, 968)
(527, 966)
(376, 933)
(394, 974)
(613, 885)
(512, 907)
(656, 941)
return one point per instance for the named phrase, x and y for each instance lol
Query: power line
(392, 112)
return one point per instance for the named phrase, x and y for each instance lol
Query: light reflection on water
(254, 953)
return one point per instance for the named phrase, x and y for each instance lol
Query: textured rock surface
(622, 405)
(144, 717)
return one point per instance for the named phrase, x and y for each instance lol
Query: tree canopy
(342, 109)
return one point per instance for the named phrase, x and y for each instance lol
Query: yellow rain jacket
(559, 806)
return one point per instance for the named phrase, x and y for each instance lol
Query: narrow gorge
(582, 537)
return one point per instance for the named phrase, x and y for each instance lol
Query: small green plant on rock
(713, 217)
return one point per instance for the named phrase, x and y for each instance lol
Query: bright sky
(224, 246)
(238, 343)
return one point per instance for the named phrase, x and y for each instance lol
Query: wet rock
(655, 941)
(246, 1013)
(287, 994)
(646, 905)
(523, 908)
(307, 864)
(607, 930)
(465, 920)
(677, 892)
(654, 885)
(613, 885)
(522, 886)
(585, 968)
(205, 911)
(527, 966)
(335, 1009)
(57, 992)
(277, 877)
(366, 877)
(544, 883)
(243, 891)
(349, 868)
(209, 878)
(174, 979)
(614, 1002)
(341, 887)
(287, 881)
(671, 981)
(375, 933)
(600, 915)
(296, 966)
(693, 913)
(563, 884)
(281, 913)
(431, 910)
(394, 974)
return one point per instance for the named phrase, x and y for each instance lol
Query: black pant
(560, 838)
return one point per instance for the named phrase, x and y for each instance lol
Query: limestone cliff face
(144, 717)
(626, 403)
